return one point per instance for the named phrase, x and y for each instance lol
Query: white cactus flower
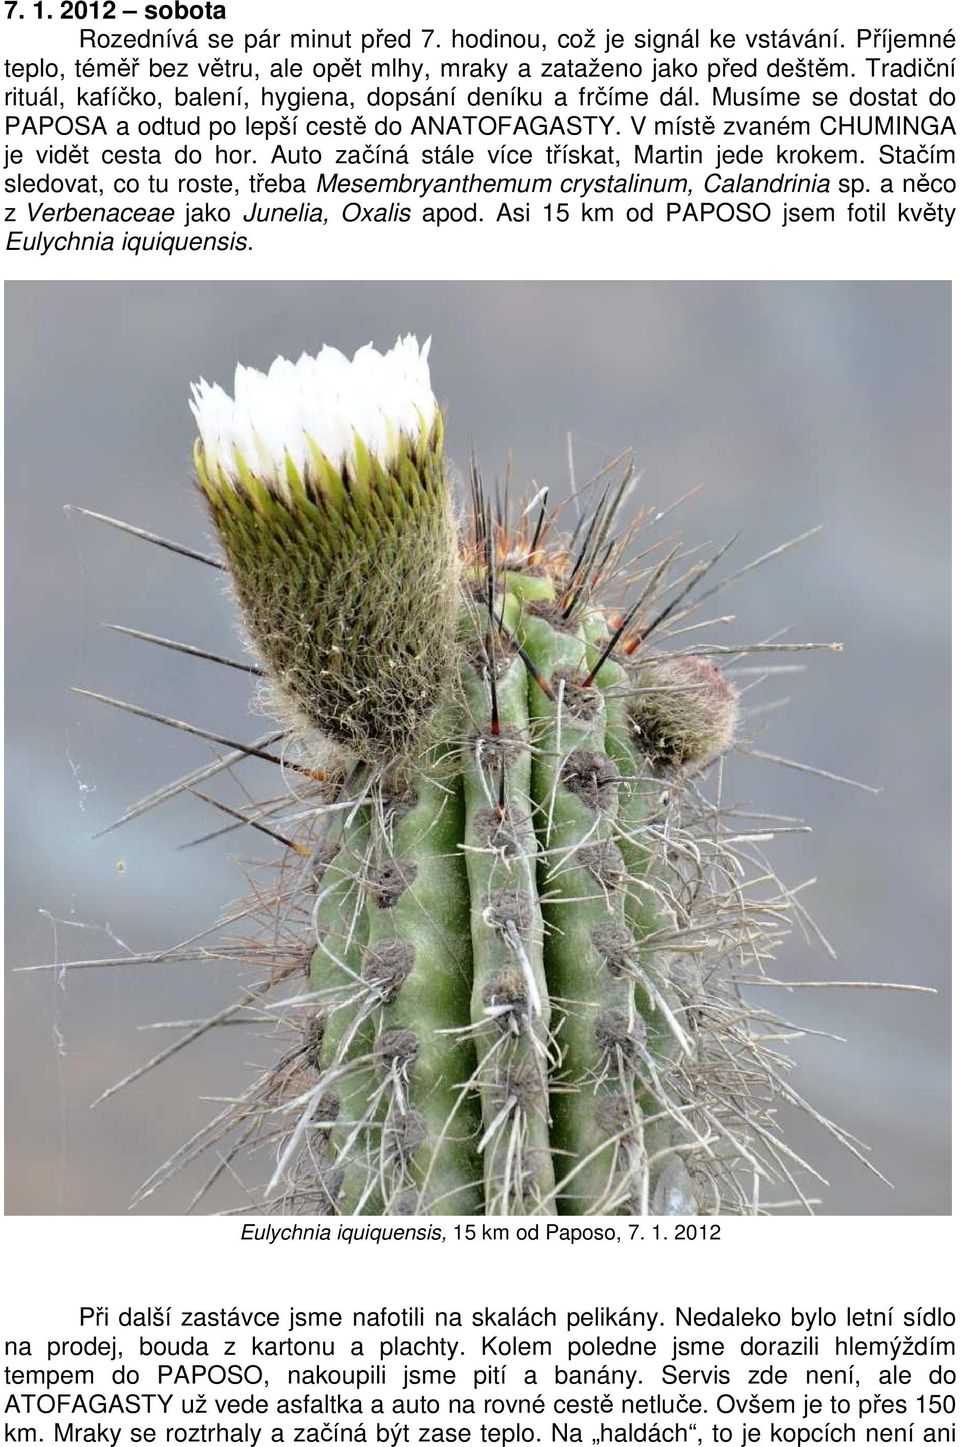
(327, 400)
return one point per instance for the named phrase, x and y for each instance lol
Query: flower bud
(325, 482)
(683, 711)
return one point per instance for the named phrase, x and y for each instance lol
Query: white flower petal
(328, 398)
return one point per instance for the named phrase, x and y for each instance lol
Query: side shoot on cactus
(513, 927)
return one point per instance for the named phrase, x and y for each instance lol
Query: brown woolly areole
(508, 988)
(523, 1084)
(508, 907)
(400, 1047)
(386, 965)
(395, 797)
(617, 948)
(498, 747)
(582, 701)
(604, 861)
(593, 777)
(313, 1033)
(387, 881)
(614, 1032)
(503, 830)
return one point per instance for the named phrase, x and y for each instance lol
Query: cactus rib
(510, 1006)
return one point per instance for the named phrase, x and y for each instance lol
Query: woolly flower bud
(683, 713)
(324, 403)
(325, 482)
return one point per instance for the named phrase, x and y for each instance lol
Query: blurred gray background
(792, 404)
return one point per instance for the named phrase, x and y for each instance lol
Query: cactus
(511, 928)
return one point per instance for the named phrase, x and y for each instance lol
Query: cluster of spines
(511, 1003)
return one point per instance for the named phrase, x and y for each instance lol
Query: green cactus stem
(510, 1006)
(418, 903)
(575, 792)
